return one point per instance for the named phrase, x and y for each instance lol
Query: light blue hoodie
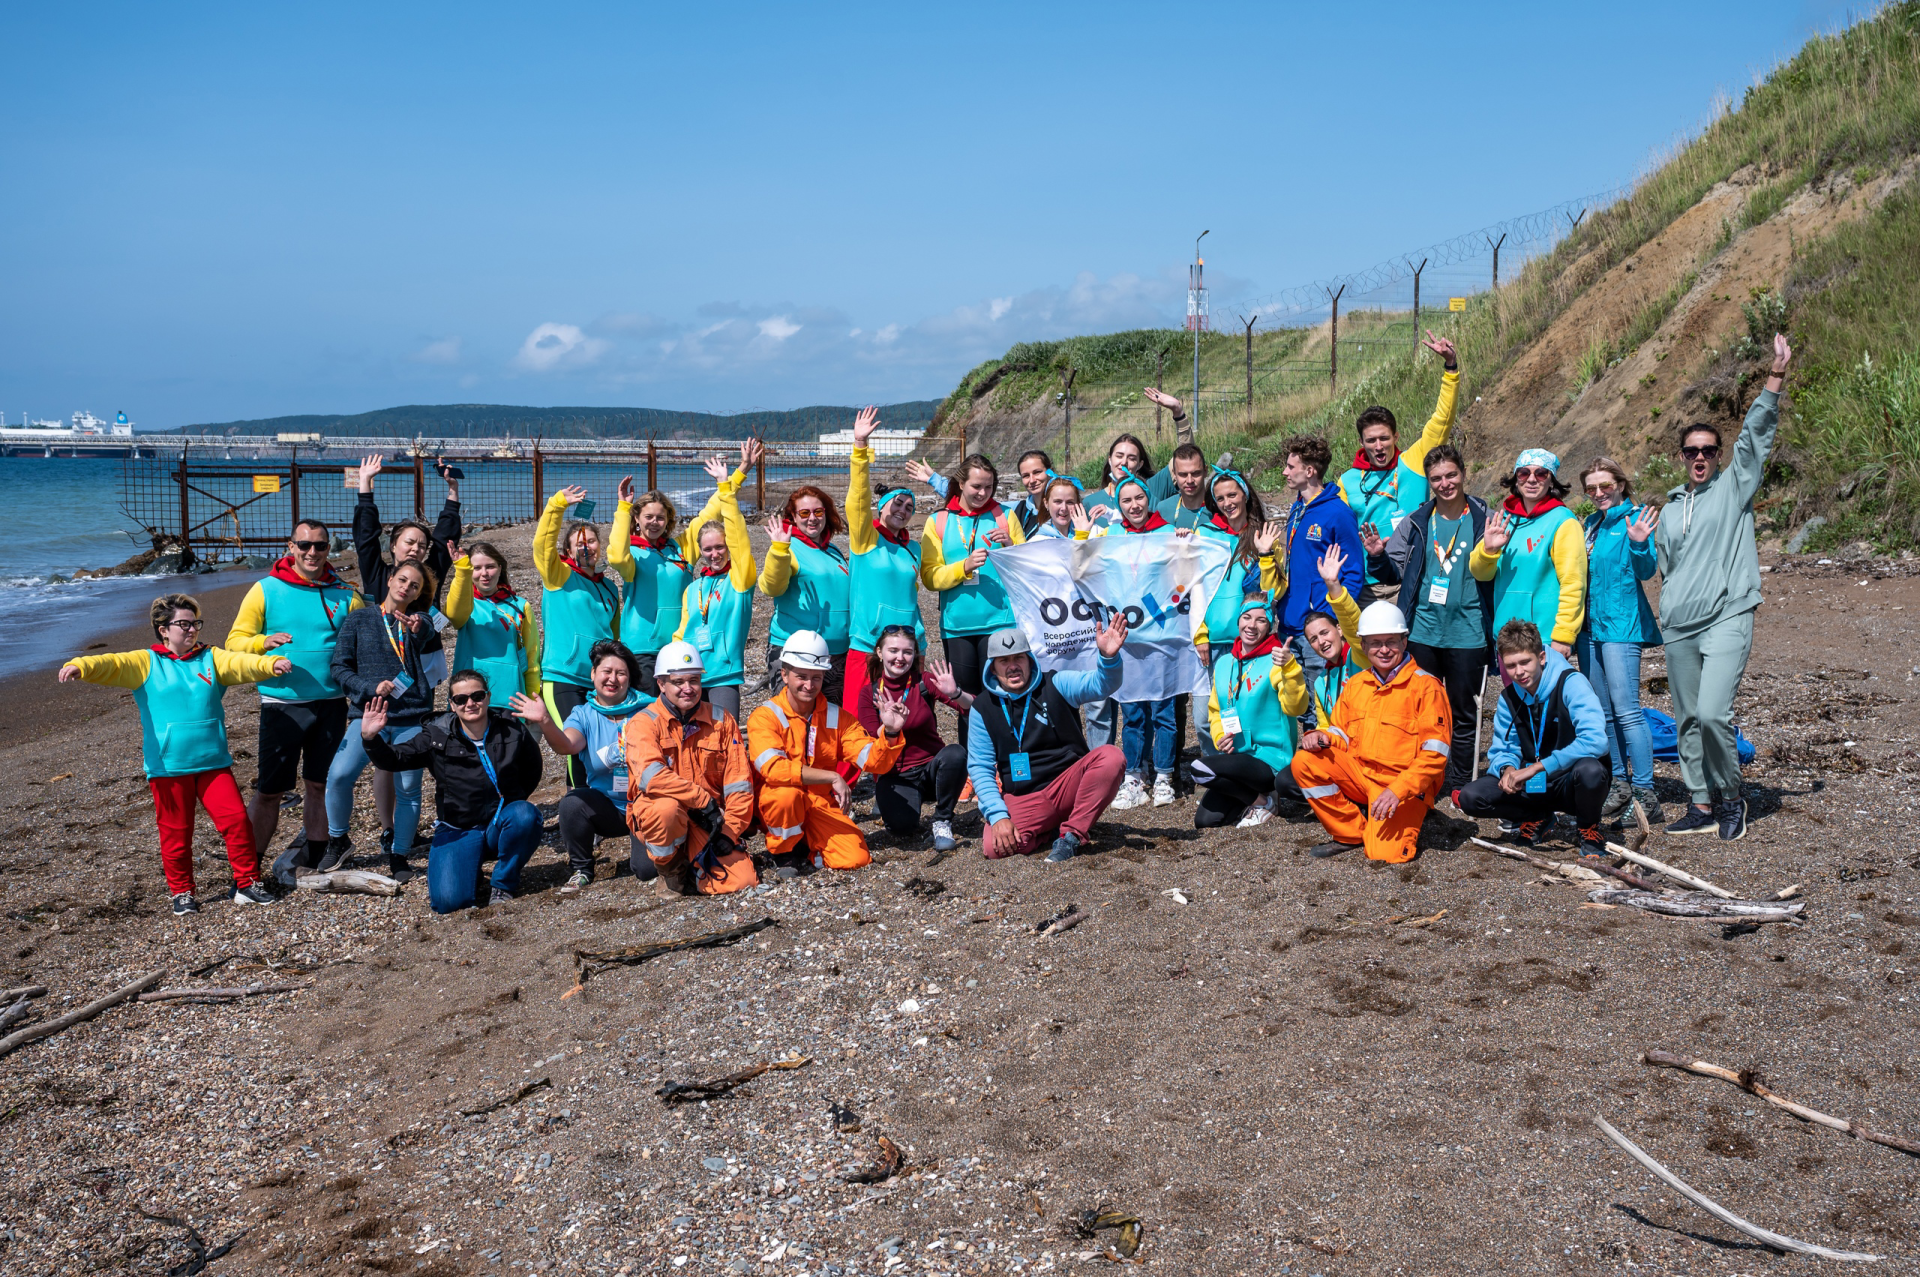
(1076, 687)
(1589, 721)
(1617, 610)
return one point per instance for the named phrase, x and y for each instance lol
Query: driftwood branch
(507, 1100)
(687, 1092)
(34, 1033)
(1678, 875)
(350, 881)
(592, 960)
(1579, 873)
(219, 995)
(1693, 905)
(1072, 917)
(1749, 1081)
(1718, 1211)
(19, 1011)
(24, 991)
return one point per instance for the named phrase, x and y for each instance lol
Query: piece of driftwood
(196, 1245)
(1699, 906)
(1749, 1081)
(1066, 920)
(593, 960)
(1678, 875)
(19, 1011)
(219, 995)
(349, 881)
(506, 1101)
(34, 1032)
(1787, 893)
(1579, 873)
(24, 991)
(688, 1092)
(1718, 1211)
(890, 1163)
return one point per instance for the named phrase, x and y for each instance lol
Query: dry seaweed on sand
(197, 1244)
(1089, 1223)
(595, 960)
(891, 1162)
(539, 1083)
(688, 1092)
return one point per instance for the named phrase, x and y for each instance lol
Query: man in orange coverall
(689, 787)
(796, 741)
(1375, 770)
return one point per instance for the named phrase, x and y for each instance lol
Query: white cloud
(886, 336)
(444, 351)
(999, 307)
(552, 346)
(778, 327)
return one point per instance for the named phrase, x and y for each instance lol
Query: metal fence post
(419, 489)
(1333, 345)
(293, 489)
(1249, 323)
(186, 516)
(1416, 305)
(1496, 257)
(653, 466)
(539, 483)
(760, 479)
(1066, 425)
(1159, 383)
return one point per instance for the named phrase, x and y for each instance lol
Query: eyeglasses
(462, 698)
(1533, 472)
(1706, 451)
(188, 626)
(310, 546)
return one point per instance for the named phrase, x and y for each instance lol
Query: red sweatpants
(173, 807)
(1073, 800)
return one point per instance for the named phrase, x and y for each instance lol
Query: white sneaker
(1162, 791)
(1258, 814)
(943, 839)
(1132, 794)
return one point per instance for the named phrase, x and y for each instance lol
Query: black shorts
(312, 728)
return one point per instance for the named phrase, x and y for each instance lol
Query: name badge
(1537, 783)
(703, 638)
(401, 684)
(1231, 722)
(1020, 768)
(1437, 591)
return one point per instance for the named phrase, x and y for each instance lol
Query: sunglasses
(310, 546)
(1707, 451)
(1600, 489)
(463, 698)
(1533, 472)
(906, 630)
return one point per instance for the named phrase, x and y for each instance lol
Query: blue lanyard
(1026, 708)
(493, 777)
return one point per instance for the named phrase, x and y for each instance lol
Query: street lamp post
(1196, 319)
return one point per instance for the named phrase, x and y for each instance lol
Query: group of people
(1347, 648)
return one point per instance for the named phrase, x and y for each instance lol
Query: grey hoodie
(1709, 565)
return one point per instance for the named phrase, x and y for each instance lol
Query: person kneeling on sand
(689, 785)
(1374, 769)
(1549, 751)
(485, 765)
(1033, 775)
(1259, 693)
(797, 741)
(179, 685)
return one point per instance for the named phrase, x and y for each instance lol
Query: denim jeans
(1614, 671)
(348, 762)
(1102, 723)
(1149, 721)
(453, 862)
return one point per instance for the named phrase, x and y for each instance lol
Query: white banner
(1063, 591)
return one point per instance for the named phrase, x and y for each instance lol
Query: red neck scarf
(1220, 521)
(1265, 645)
(1362, 462)
(707, 569)
(500, 595)
(898, 538)
(991, 510)
(591, 576)
(793, 530)
(285, 571)
(1153, 521)
(1514, 506)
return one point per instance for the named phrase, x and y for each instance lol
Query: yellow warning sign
(266, 483)
(1456, 303)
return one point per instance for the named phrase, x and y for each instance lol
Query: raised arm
(1757, 433)
(235, 668)
(859, 503)
(546, 538)
(620, 536)
(459, 605)
(1440, 424)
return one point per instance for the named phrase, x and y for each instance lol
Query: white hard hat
(678, 657)
(805, 650)
(1382, 618)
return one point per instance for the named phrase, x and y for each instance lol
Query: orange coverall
(1392, 735)
(674, 768)
(780, 743)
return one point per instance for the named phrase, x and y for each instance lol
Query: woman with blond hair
(655, 565)
(1620, 627)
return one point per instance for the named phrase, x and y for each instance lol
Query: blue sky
(212, 212)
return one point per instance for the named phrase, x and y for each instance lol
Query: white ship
(87, 436)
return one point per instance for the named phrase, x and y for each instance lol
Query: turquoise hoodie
(1617, 610)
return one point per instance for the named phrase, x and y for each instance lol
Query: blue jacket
(1617, 610)
(1076, 687)
(1589, 721)
(1310, 529)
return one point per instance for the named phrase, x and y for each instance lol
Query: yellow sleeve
(1439, 425)
(620, 544)
(546, 544)
(1347, 612)
(935, 572)
(249, 622)
(686, 609)
(778, 570)
(1570, 564)
(1200, 633)
(690, 531)
(116, 669)
(530, 641)
(1016, 531)
(1214, 725)
(743, 574)
(1272, 579)
(1290, 680)
(1483, 563)
(860, 534)
(459, 608)
(234, 668)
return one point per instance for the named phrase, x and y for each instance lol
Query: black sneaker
(1732, 816)
(337, 850)
(254, 895)
(386, 841)
(1527, 833)
(1694, 821)
(1592, 843)
(797, 863)
(500, 896)
(1509, 828)
(398, 869)
(1328, 849)
(185, 903)
(1065, 847)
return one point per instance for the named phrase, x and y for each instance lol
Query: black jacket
(465, 798)
(363, 658)
(374, 569)
(1404, 560)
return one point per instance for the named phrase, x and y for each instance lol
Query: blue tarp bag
(1666, 738)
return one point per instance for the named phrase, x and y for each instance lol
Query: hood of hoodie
(992, 684)
(991, 510)
(285, 571)
(1363, 462)
(1514, 506)
(1268, 644)
(1556, 668)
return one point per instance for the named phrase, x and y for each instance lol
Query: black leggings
(1235, 782)
(586, 816)
(900, 793)
(1581, 789)
(967, 653)
(1464, 672)
(567, 697)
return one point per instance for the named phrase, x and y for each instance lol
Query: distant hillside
(460, 421)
